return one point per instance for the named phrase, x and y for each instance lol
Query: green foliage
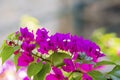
(2, 47)
(16, 61)
(57, 58)
(34, 68)
(96, 75)
(13, 36)
(101, 63)
(6, 52)
(76, 76)
(42, 73)
(115, 73)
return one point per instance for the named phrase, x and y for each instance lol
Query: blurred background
(98, 20)
(80, 17)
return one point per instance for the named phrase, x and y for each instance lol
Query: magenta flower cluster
(84, 53)
(27, 47)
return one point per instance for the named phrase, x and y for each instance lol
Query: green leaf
(11, 36)
(96, 75)
(2, 47)
(6, 52)
(57, 58)
(115, 73)
(76, 76)
(34, 68)
(104, 63)
(16, 61)
(42, 73)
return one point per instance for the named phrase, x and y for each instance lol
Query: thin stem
(42, 58)
(78, 71)
(70, 75)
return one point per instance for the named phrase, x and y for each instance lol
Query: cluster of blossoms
(83, 53)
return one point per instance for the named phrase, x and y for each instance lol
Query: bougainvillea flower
(69, 66)
(61, 41)
(79, 45)
(86, 77)
(27, 47)
(65, 42)
(76, 44)
(57, 75)
(75, 56)
(44, 48)
(51, 77)
(25, 59)
(86, 67)
(26, 35)
(52, 46)
(26, 78)
(41, 35)
(92, 50)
